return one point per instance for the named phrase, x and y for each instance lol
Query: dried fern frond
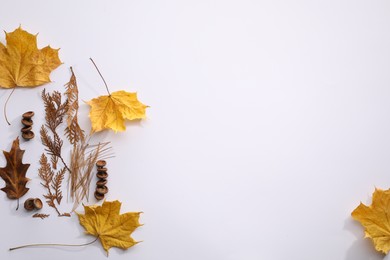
(39, 215)
(45, 172)
(52, 183)
(57, 182)
(55, 111)
(73, 131)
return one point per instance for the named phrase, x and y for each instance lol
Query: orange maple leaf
(113, 229)
(23, 64)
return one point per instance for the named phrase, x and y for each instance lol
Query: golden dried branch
(73, 131)
(51, 182)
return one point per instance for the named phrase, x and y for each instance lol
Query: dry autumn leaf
(14, 173)
(375, 219)
(22, 64)
(110, 112)
(105, 223)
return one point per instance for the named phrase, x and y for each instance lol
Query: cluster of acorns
(27, 134)
(33, 203)
(101, 188)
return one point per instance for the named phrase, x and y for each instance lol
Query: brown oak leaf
(14, 173)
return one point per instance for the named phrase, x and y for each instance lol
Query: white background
(269, 123)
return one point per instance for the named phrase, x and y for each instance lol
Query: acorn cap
(101, 163)
(102, 190)
(28, 135)
(27, 122)
(28, 115)
(101, 182)
(29, 204)
(102, 175)
(26, 129)
(99, 196)
(37, 203)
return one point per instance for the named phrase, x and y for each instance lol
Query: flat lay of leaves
(69, 157)
(14, 173)
(112, 228)
(375, 219)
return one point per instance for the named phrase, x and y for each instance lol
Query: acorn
(26, 129)
(102, 190)
(102, 169)
(28, 115)
(33, 203)
(102, 175)
(99, 196)
(27, 122)
(29, 204)
(28, 136)
(101, 182)
(38, 203)
(101, 163)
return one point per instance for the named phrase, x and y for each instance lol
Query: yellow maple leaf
(112, 229)
(375, 219)
(22, 64)
(111, 111)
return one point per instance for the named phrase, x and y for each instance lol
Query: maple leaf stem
(44, 245)
(5, 107)
(17, 207)
(108, 91)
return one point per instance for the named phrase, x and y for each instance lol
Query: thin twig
(34, 245)
(65, 165)
(101, 76)
(5, 107)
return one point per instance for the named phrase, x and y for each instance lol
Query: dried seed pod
(37, 203)
(101, 163)
(28, 136)
(29, 204)
(102, 175)
(26, 129)
(101, 182)
(28, 115)
(99, 196)
(102, 190)
(27, 122)
(33, 203)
